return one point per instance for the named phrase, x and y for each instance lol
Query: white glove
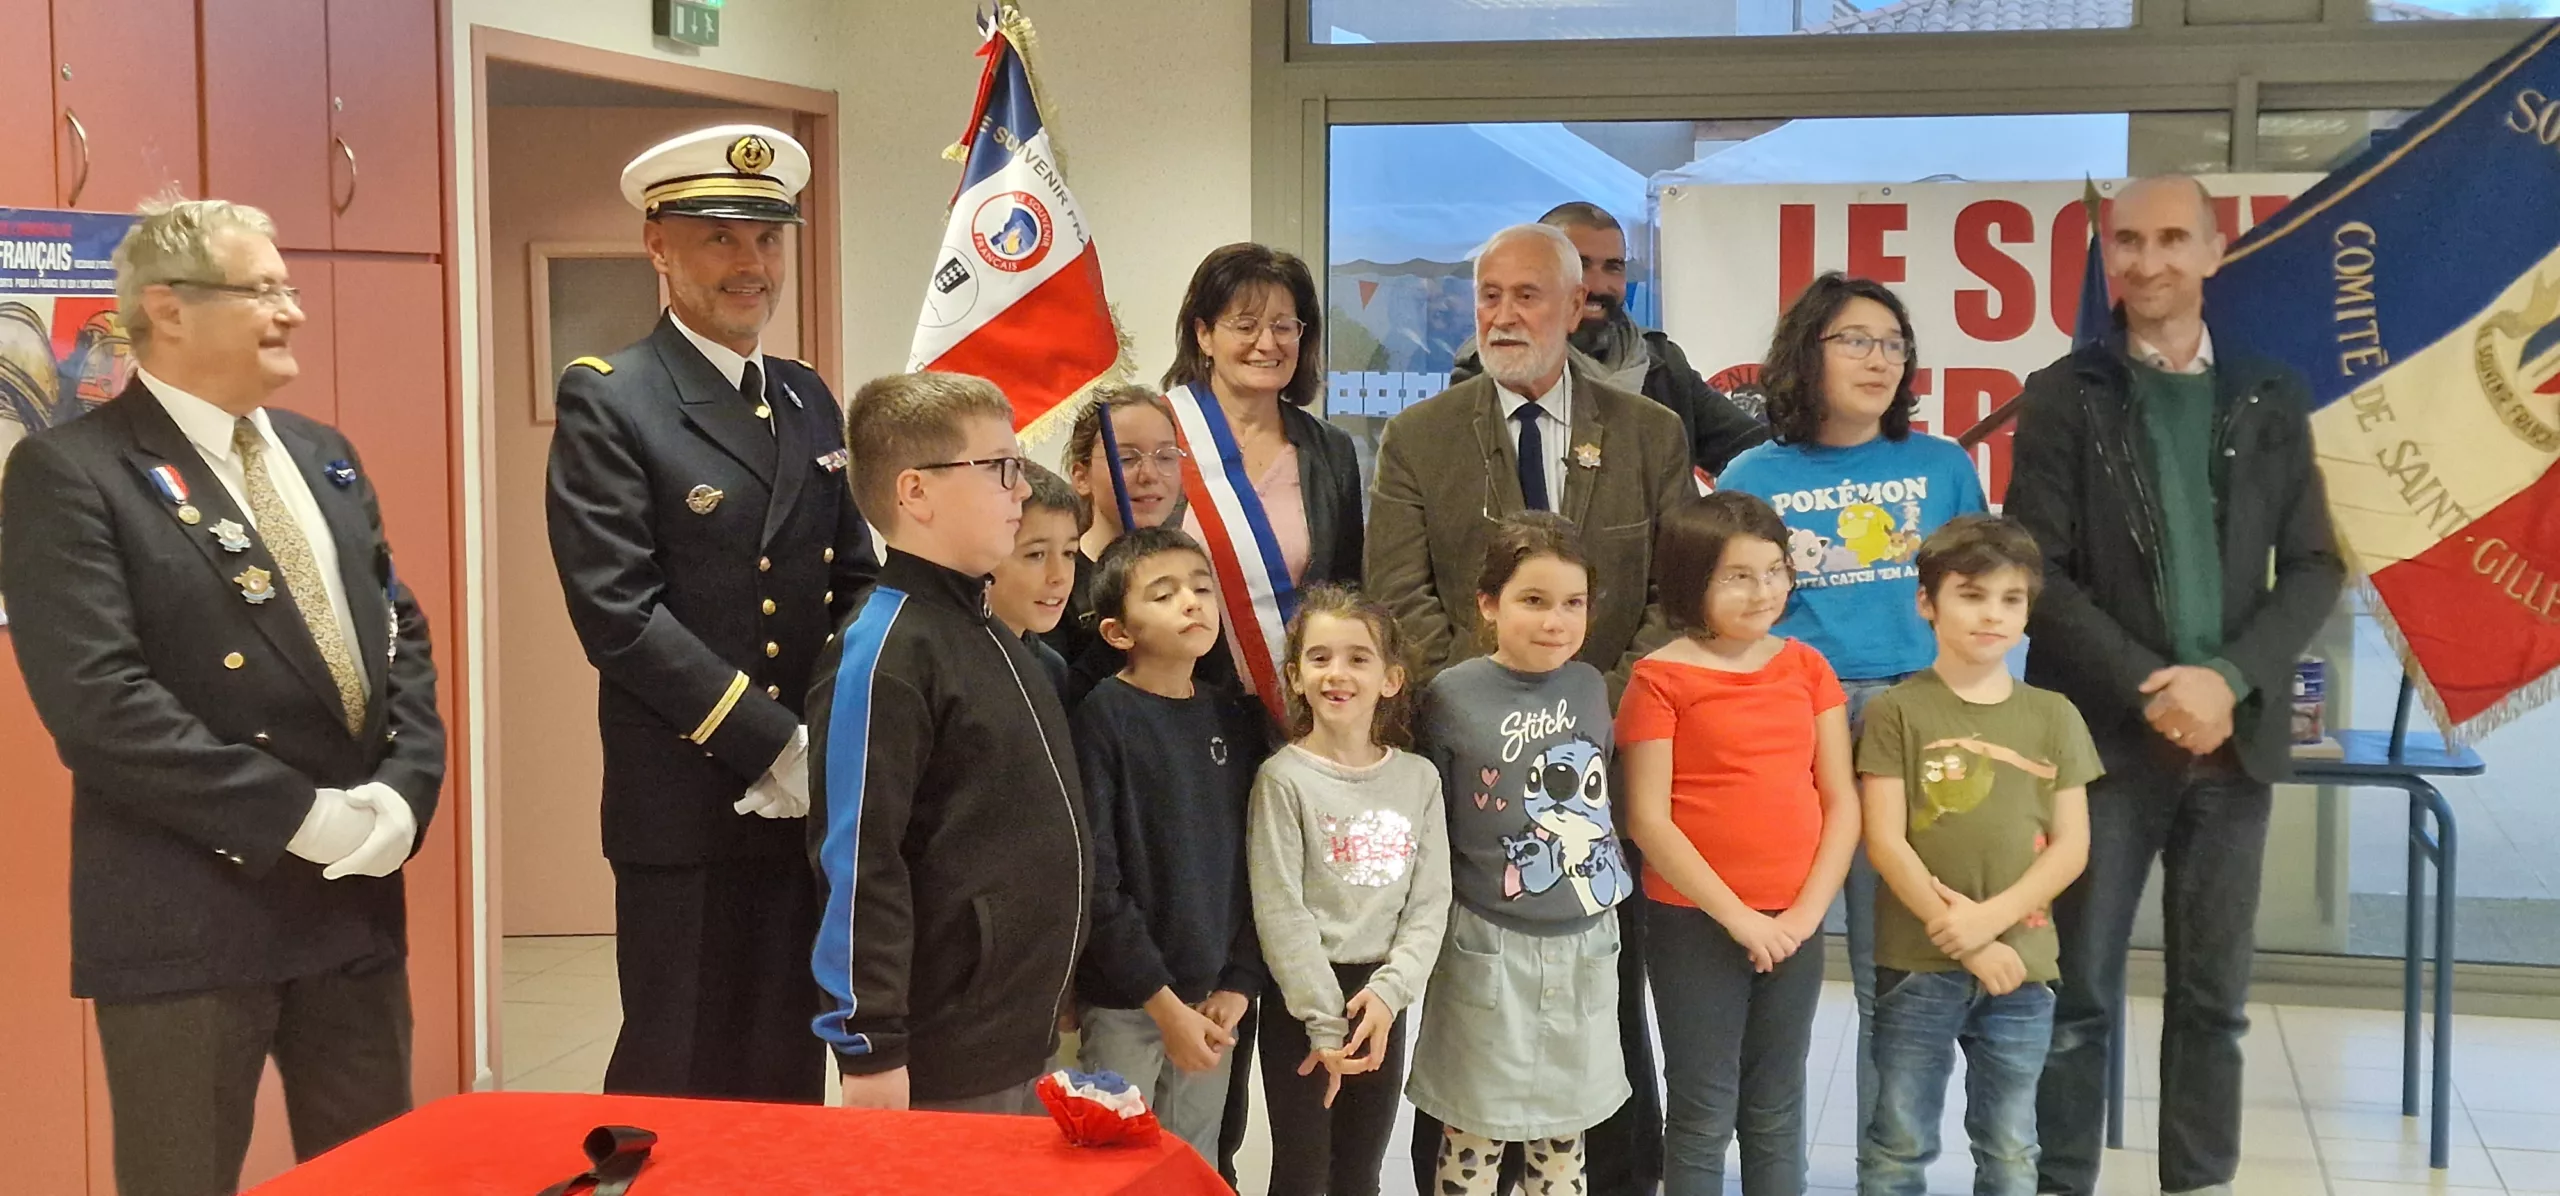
(333, 829)
(395, 831)
(783, 790)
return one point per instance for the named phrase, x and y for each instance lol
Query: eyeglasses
(1008, 469)
(1780, 576)
(1858, 345)
(1165, 460)
(1284, 330)
(264, 295)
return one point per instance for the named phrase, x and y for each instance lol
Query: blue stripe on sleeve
(848, 768)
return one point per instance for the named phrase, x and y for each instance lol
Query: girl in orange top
(1735, 750)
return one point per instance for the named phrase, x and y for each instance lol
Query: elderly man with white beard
(1532, 434)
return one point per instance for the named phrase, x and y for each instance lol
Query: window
(2459, 10)
(2322, 141)
(1359, 21)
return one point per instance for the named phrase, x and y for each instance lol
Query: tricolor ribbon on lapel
(1253, 583)
(172, 484)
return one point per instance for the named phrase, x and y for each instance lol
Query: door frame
(820, 264)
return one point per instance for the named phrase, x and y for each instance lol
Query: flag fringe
(2471, 730)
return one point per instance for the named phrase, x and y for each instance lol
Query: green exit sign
(693, 22)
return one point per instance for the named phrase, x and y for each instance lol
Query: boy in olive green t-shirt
(1977, 816)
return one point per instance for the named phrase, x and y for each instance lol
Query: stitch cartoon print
(1569, 837)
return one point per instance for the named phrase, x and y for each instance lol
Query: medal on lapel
(231, 536)
(1587, 455)
(256, 584)
(834, 462)
(173, 486)
(702, 500)
(342, 473)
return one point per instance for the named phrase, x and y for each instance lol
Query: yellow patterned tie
(292, 551)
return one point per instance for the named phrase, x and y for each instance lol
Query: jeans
(2207, 823)
(1859, 894)
(1921, 1017)
(1733, 1051)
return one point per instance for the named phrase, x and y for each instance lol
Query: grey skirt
(1519, 1036)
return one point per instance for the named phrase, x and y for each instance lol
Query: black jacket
(2083, 482)
(1166, 784)
(1717, 431)
(703, 617)
(949, 836)
(197, 725)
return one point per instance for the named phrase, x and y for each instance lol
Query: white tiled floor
(2323, 1090)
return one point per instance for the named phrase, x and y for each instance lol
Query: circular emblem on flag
(1012, 231)
(1741, 384)
(2516, 355)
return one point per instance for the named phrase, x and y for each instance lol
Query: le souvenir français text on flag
(2418, 288)
(1016, 292)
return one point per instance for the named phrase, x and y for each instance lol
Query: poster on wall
(1991, 273)
(62, 346)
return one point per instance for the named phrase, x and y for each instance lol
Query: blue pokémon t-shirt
(1855, 518)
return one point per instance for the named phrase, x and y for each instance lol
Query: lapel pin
(1587, 455)
(834, 462)
(702, 500)
(794, 396)
(342, 473)
(231, 536)
(256, 584)
(187, 514)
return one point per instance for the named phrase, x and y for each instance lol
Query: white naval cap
(727, 172)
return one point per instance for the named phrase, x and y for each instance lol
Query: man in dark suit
(208, 620)
(707, 543)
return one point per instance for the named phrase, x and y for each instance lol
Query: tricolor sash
(1254, 590)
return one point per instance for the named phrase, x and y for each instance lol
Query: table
(518, 1143)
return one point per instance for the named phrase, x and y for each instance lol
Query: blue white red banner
(1016, 293)
(62, 346)
(2418, 288)
(1255, 595)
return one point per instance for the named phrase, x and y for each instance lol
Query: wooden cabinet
(385, 157)
(27, 114)
(125, 114)
(315, 344)
(266, 113)
(323, 112)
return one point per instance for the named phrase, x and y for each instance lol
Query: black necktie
(1533, 457)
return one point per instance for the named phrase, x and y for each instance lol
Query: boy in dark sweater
(1033, 584)
(1168, 766)
(945, 820)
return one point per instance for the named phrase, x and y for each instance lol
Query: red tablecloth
(517, 1143)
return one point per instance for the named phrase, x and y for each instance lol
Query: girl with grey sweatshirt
(1348, 857)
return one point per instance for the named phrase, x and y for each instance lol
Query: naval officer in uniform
(707, 544)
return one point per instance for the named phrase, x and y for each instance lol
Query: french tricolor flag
(1016, 292)
(2418, 288)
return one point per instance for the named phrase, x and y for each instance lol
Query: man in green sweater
(2189, 560)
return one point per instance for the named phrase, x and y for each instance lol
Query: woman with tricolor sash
(1270, 489)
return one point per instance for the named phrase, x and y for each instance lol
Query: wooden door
(392, 404)
(266, 112)
(125, 113)
(42, 1053)
(315, 391)
(386, 165)
(26, 95)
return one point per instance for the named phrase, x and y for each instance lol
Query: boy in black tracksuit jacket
(945, 819)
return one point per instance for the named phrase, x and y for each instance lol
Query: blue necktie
(1533, 458)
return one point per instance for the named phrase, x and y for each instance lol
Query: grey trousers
(183, 1071)
(1191, 1106)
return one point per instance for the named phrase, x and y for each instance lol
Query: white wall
(1149, 101)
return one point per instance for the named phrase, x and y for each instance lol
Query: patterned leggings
(1471, 1165)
